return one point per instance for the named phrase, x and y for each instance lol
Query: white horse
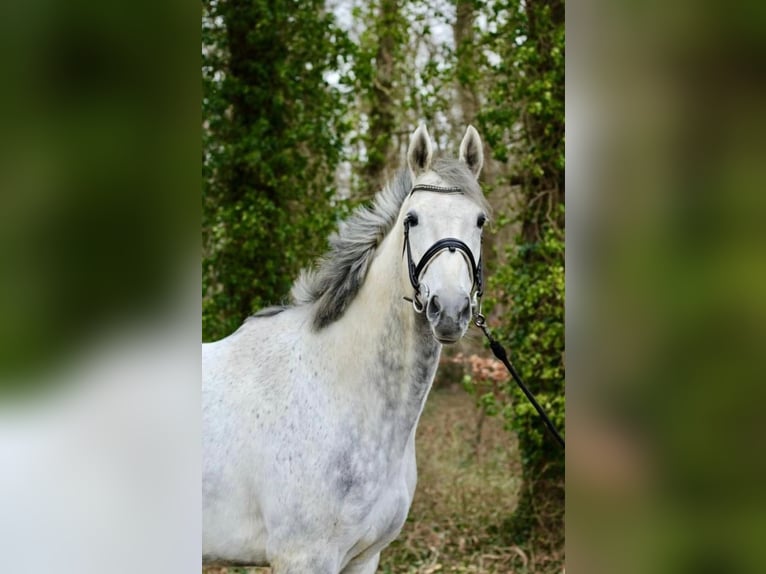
(309, 411)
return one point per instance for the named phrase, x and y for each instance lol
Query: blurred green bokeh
(666, 313)
(99, 170)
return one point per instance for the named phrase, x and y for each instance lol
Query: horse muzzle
(449, 315)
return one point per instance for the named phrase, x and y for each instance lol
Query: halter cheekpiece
(451, 244)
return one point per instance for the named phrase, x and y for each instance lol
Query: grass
(467, 487)
(468, 483)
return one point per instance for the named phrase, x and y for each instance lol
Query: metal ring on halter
(416, 303)
(476, 303)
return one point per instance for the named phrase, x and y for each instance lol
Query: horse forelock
(339, 275)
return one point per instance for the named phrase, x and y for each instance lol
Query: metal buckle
(416, 302)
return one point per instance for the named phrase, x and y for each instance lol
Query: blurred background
(308, 108)
(666, 287)
(99, 286)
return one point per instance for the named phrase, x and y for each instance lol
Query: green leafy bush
(524, 126)
(272, 137)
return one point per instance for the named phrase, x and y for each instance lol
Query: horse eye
(412, 219)
(481, 221)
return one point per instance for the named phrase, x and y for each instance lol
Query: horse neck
(393, 354)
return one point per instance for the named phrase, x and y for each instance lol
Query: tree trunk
(465, 46)
(381, 110)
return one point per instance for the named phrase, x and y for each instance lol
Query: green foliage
(527, 91)
(530, 289)
(532, 284)
(272, 138)
(524, 123)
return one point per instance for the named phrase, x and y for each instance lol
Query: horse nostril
(434, 307)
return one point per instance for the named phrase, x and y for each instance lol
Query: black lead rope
(500, 353)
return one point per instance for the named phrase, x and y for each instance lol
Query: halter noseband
(449, 243)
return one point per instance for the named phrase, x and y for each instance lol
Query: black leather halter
(449, 243)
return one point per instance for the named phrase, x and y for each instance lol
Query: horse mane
(338, 276)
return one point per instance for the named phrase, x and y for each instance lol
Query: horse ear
(471, 151)
(420, 152)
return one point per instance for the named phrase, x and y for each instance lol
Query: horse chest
(373, 516)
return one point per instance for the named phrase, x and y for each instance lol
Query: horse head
(443, 219)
